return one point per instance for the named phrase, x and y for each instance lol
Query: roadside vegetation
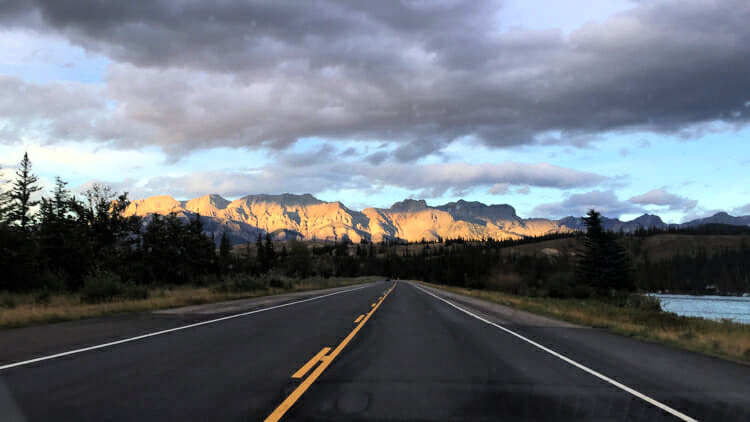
(110, 297)
(635, 316)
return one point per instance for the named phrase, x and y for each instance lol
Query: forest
(64, 242)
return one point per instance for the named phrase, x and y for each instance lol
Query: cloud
(604, 201)
(428, 180)
(420, 74)
(660, 197)
(744, 210)
(436, 179)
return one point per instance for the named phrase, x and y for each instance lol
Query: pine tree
(224, 247)
(270, 254)
(24, 186)
(260, 254)
(603, 264)
(4, 201)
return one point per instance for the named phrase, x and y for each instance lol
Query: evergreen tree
(4, 202)
(224, 247)
(24, 186)
(260, 254)
(270, 254)
(603, 264)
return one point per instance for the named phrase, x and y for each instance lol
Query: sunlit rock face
(305, 217)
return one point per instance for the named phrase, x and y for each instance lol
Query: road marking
(324, 362)
(359, 318)
(603, 377)
(301, 372)
(170, 330)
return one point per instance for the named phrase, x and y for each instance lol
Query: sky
(629, 107)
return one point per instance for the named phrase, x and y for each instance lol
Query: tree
(224, 246)
(224, 252)
(270, 254)
(23, 188)
(4, 202)
(603, 264)
(260, 254)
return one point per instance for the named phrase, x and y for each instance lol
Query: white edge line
(170, 330)
(603, 377)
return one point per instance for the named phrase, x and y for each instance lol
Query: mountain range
(305, 217)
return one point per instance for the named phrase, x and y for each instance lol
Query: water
(710, 307)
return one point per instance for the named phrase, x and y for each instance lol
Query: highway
(380, 351)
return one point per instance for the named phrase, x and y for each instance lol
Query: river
(711, 307)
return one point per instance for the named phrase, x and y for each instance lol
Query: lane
(421, 359)
(701, 386)
(20, 344)
(236, 369)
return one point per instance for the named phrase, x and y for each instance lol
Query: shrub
(51, 281)
(508, 282)
(241, 283)
(8, 302)
(42, 297)
(276, 283)
(134, 291)
(562, 285)
(101, 286)
(644, 302)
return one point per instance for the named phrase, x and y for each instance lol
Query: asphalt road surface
(381, 351)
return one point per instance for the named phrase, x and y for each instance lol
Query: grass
(725, 339)
(24, 309)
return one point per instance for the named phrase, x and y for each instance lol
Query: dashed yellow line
(325, 360)
(359, 318)
(301, 372)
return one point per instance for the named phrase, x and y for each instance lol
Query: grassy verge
(724, 339)
(19, 310)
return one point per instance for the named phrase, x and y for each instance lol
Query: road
(382, 351)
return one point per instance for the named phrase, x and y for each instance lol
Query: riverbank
(725, 339)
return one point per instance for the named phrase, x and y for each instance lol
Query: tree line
(67, 242)
(60, 241)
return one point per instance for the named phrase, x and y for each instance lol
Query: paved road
(410, 356)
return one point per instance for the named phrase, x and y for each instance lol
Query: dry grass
(18, 310)
(724, 339)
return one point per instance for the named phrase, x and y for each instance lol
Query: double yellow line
(325, 360)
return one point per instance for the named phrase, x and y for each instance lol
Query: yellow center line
(324, 362)
(359, 318)
(301, 372)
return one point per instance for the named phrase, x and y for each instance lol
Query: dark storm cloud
(421, 74)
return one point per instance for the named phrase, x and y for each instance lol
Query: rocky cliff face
(305, 217)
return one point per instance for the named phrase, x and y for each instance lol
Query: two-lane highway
(384, 351)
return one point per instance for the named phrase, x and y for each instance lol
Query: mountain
(719, 218)
(646, 221)
(289, 216)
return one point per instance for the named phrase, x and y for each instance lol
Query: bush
(8, 302)
(644, 302)
(133, 291)
(101, 286)
(508, 282)
(276, 283)
(51, 281)
(563, 285)
(42, 297)
(242, 283)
